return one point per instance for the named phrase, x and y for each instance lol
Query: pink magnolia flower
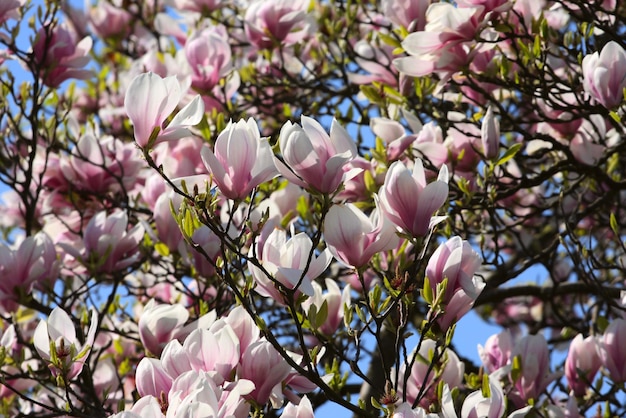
(269, 23)
(393, 133)
(497, 351)
(107, 244)
(159, 324)
(313, 158)
(100, 165)
(58, 333)
(197, 394)
(406, 410)
(9, 10)
(441, 46)
(476, 405)
(335, 300)
(34, 263)
(612, 350)
(582, 363)
(421, 375)
(353, 238)
(535, 368)
(490, 134)
(109, 19)
(208, 54)
(244, 327)
(152, 379)
(604, 75)
(214, 350)
(241, 159)
(265, 367)
(410, 14)
(201, 6)
(303, 410)
(289, 262)
(408, 201)
(210, 244)
(59, 56)
(150, 100)
(456, 261)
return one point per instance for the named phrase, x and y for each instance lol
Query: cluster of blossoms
(196, 228)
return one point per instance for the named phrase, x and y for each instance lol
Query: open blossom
(60, 56)
(354, 238)
(241, 159)
(269, 23)
(150, 100)
(314, 158)
(107, 244)
(34, 263)
(197, 394)
(604, 75)
(99, 165)
(287, 262)
(58, 332)
(408, 201)
(208, 54)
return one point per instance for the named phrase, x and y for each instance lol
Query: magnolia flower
(107, 245)
(612, 350)
(490, 134)
(422, 375)
(208, 54)
(604, 75)
(59, 55)
(535, 367)
(303, 410)
(354, 238)
(159, 324)
(313, 158)
(58, 333)
(34, 263)
(149, 102)
(241, 159)
(275, 22)
(290, 262)
(582, 363)
(265, 367)
(456, 261)
(497, 351)
(408, 201)
(335, 300)
(151, 378)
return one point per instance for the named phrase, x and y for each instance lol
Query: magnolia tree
(231, 208)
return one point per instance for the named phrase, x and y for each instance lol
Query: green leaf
(510, 153)
(427, 291)
(485, 389)
(613, 223)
